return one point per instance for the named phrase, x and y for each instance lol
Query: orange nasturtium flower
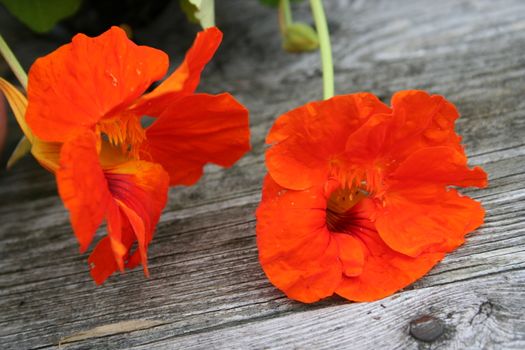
(358, 200)
(85, 104)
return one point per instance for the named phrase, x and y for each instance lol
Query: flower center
(339, 216)
(124, 131)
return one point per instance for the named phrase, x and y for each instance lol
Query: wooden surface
(207, 289)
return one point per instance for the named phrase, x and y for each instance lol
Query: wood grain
(207, 289)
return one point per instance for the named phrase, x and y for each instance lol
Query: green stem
(286, 12)
(325, 47)
(285, 17)
(13, 63)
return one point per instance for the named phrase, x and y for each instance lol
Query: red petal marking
(90, 78)
(130, 195)
(195, 130)
(308, 263)
(137, 224)
(139, 190)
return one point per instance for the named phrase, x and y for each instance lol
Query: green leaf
(41, 15)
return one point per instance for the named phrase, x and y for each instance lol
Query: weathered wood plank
(207, 289)
(475, 313)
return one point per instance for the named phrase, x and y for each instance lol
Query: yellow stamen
(124, 131)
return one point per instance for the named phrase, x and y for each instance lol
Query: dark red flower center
(340, 216)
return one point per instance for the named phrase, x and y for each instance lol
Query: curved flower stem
(286, 12)
(285, 16)
(13, 63)
(326, 49)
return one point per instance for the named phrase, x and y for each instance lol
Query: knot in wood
(426, 328)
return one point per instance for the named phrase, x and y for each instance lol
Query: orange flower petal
(440, 165)
(139, 192)
(418, 121)
(195, 130)
(47, 153)
(306, 211)
(318, 280)
(421, 120)
(103, 261)
(393, 215)
(114, 222)
(306, 261)
(307, 140)
(351, 253)
(414, 111)
(137, 224)
(130, 195)
(370, 142)
(83, 186)
(385, 270)
(186, 77)
(427, 219)
(296, 251)
(91, 78)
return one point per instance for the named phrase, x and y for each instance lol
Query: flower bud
(300, 37)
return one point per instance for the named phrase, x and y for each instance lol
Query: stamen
(125, 131)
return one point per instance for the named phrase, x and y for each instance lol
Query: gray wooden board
(207, 289)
